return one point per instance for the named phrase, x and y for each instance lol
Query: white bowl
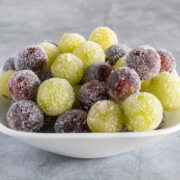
(89, 145)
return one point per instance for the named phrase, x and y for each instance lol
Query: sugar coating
(76, 89)
(115, 52)
(25, 116)
(91, 92)
(166, 87)
(33, 58)
(123, 82)
(68, 66)
(52, 52)
(23, 85)
(142, 112)
(120, 63)
(9, 65)
(55, 96)
(104, 36)
(145, 61)
(98, 71)
(69, 42)
(89, 52)
(105, 116)
(3, 83)
(72, 121)
(168, 62)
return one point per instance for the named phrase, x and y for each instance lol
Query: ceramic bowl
(89, 145)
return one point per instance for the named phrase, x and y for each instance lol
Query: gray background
(137, 22)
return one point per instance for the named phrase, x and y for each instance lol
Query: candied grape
(168, 62)
(33, 58)
(55, 96)
(51, 52)
(142, 112)
(123, 82)
(69, 42)
(76, 89)
(145, 61)
(91, 92)
(120, 63)
(68, 66)
(72, 121)
(97, 71)
(105, 116)
(46, 75)
(166, 87)
(4, 82)
(89, 52)
(104, 36)
(25, 116)
(9, 65)
(23, 85)
(115, 52)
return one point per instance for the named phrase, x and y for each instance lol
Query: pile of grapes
(89, 86)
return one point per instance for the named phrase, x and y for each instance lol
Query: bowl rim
(160, 132)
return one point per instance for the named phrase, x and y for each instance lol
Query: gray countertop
(137, 22)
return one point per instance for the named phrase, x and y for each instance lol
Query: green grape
(105, 116)
(68, 66)
(104, 36)
(89, 52)
(69, 42)
(142, 112)
(55, 96)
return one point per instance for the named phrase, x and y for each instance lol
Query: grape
(25, 116)
(145, 84)
(4, 82)
(91, 92)
(97, 71)
(9, 65)
(166, 87)
(69, 42)
(168, 62)
(145, 61)
(105, 116)
(89, 52)
(55, 96)
(51, 52)
(142, 112)
(33, 58)
(123, 82)
(120, 63)
(72, 121)
(23, 85)
(104, 36)
(68, 66)
(115, 52)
